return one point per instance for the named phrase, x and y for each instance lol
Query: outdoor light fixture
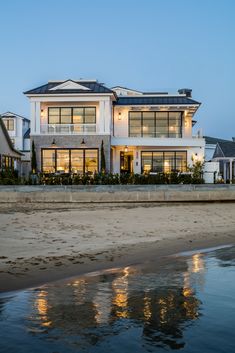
(126, 149)
(83, 142)
(53, 143)
(119, 116)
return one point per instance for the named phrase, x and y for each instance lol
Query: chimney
(186, 91)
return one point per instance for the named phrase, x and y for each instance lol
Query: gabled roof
(225, 149)
(5, 132)
(156, 100)
(70, 86)
(213, 140)
(10, 114)
(130, 90)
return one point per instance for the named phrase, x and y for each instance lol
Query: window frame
(142, 134)
(163, 154)
(72, 114)
(69, 149)
(7, 121)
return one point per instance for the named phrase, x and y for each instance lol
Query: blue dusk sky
(141, 44)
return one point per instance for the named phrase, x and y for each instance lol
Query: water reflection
(152, 307)
(163, 304)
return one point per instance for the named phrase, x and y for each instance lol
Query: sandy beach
(48, 243)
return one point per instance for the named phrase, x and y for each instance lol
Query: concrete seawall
(115, 193)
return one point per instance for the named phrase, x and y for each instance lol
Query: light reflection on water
(148, 308)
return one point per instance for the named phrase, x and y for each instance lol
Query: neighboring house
(9, 156)
(18, 128)
(210, 146)
(225, 155)
(142, 132)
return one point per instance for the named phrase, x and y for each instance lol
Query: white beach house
(18, 128)
(142, 132)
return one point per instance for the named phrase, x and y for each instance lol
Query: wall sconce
(83, 143)
(53, 144)
(119, 116)
(126, 149)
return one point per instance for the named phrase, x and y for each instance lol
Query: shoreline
(74, 242)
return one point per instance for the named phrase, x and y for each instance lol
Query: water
(186, 304)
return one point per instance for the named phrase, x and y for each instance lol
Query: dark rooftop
(227, 148)
(214, 140)
(156, 100)
(93, 87)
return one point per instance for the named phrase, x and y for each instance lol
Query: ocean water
(185, 303)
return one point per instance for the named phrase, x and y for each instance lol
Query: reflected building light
(103, 303)
(120, 287)
(198, 264)
(79, 291)
(42, 308)
(147, 307)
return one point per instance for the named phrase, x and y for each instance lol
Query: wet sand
(41, 244)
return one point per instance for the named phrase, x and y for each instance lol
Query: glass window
(175, 124)
(90, 115)
(66, 116)
(77, 157)
(157, 166)
(148, 124)
(146, 162)
(78, 115)
(91, 161)
(53, 115)
(48, 161)
(181, 161)
(155, 124)
(62, 161)
(169, 162)
(10, 124)
(165, 161)
(135, 124)
(162, 124)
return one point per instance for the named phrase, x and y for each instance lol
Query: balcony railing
(68, 129)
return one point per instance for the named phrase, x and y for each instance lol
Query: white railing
(68, 129)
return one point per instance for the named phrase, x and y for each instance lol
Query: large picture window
(77, 161)
(163, 162)
(79, 115)
(155, 124)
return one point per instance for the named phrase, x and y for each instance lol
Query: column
(107, 116)
(230, 170)
(38, 117)
(33, 117)
(225, 171)
(101, 117)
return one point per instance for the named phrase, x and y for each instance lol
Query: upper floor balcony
(68, 129)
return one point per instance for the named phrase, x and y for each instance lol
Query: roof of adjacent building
(156, 100)
(5, 132)
(225, 149)
(10, 114)
(70, 86)
(214, 140)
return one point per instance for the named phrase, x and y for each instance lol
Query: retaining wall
(116, 193)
